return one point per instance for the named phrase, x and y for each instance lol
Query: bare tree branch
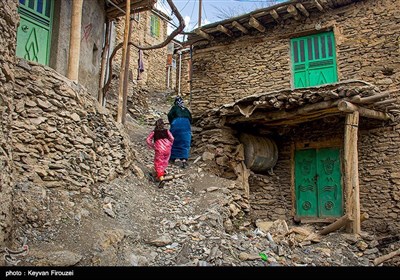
(177, 31)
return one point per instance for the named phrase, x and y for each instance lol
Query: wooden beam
(386, 257)
(225, 30)
(351, 179)
(256, 24)
(370, 99)
(240, 27)
(120, 116)
(315, 110)
(318, 5)
(274, 14)
(294, 12)
(385, 102)
(75, 41)
(341, 222)
(204, 34)
(302, 9)
(348, 107)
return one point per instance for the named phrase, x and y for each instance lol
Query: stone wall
(370, 51)
(155, 74)
(92, 37)
(8, 26)
(61, 136)
(233, 68)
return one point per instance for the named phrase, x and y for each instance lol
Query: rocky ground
(132, 222)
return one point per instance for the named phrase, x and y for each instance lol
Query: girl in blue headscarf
(180, 120)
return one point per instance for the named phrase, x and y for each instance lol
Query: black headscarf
(179, 102)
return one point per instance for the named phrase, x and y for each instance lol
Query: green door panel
(329, 183)
(318, 185)
(306, 190)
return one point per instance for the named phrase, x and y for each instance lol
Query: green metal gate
(314, 60)
(34, 30)
(318, 185)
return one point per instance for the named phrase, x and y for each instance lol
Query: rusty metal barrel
(260, 153)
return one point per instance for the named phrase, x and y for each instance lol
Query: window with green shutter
(154, 26)
(34, 30)
(314, 60)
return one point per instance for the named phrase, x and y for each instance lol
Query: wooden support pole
(104, 58)
(341, 222)
(348, 107)
(120, 115)
(225, 30)
(75, 41)
(126, 73)
(302, 9)
(274, 14)
(351, 179)
(240, 27)
(256, 24)
(204, 34)
(318, 5)
(293, 11)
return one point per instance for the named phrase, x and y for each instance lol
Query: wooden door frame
(302, 145)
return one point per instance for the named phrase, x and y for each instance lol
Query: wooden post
(126, 78)
(75, 41)
(104, 58)
(120, 116)
(351, 172)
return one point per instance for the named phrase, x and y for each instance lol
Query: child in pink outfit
(160, 139)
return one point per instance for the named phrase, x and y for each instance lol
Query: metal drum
(260, 153)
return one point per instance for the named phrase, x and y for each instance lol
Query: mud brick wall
(8, 26)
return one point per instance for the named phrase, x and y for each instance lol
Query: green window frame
(314, 60)
(35, 30)
(154, 26)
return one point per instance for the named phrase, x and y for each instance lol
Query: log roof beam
(302, 9)
(240, 27)
(253, 22)
(204, 34)
(293, 12)
(225, 30)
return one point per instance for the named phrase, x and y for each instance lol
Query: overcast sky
(212, 10)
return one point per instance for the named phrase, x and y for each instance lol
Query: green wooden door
(318, 183)
(314, 60)
(34, 30)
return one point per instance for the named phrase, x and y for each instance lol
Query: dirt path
(131, 222)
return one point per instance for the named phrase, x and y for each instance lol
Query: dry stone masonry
(228, 69)
(8, 24)
(61, 136)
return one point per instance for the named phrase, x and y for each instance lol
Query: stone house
(305, 93)
(148, 28)
(55, 137)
